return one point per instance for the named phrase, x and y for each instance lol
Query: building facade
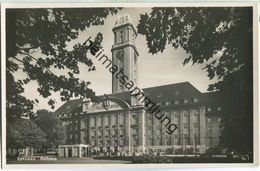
(121, 125)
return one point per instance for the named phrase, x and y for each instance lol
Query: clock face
(120, 54)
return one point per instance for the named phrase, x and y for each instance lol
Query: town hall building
(119, 124)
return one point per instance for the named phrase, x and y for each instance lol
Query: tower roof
(124, 20)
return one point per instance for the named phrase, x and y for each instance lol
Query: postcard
(119, 84)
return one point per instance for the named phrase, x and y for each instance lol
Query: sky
(154, 70)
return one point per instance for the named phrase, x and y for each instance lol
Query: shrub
(150, 158)
(213, 150)
(179, 151)
(169, 151)
(189, 151)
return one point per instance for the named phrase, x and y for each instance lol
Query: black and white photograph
(129, 84)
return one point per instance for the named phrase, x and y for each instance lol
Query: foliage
(169, 151)
(50, 123)
(24, 133)
(189, 151)
(213, 150)
(150, 158)
(179, 151)
(37, 42)
(221, 38)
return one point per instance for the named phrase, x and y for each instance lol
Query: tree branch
(17, 59)
(29, 48)
(36, 60)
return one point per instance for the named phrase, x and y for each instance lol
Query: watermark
(150, 106)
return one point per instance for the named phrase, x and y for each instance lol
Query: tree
(50, 123)
(36, 43)
(24, 133)
(221, 38)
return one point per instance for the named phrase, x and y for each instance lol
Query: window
(158, 131)
(176, 140)
(197, 139)
(121, 86)
(106, 120)
(167, 102)
(114, 132)
(195, 118)
(217, 130)
(219, 108)
(209, 120)
(121, 37)
(185, 101)
(196, 130)
(150, 132)
(135, 131)
(186, 119)
(219, 119)
(150, 141)
(210, 129)
(114, 119)
(99, 121)
(150, 121)
(195, 100)
(68, 107)
(121, 120)
(135, 80)
(168, 140)
(71, 136)
(177, 93)
(209, 109)
(210, 139)
(186, 139)
(186, 129)
(176, 119)
(176, 102)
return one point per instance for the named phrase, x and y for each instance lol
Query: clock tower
(124, 52)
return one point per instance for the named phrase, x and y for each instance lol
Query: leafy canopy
(24, 133)
(50, 124)
(221, 38)
(37, 42)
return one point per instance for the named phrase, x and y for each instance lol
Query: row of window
(209, 109)
(176, 102)
(108, 131)
(211, 130)
(101, 143)
(176, 141)
(176, 119)
(113, 119)
(76, 138)
(210, 120)
(124, 35)
(185, 121)
(65, 115)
